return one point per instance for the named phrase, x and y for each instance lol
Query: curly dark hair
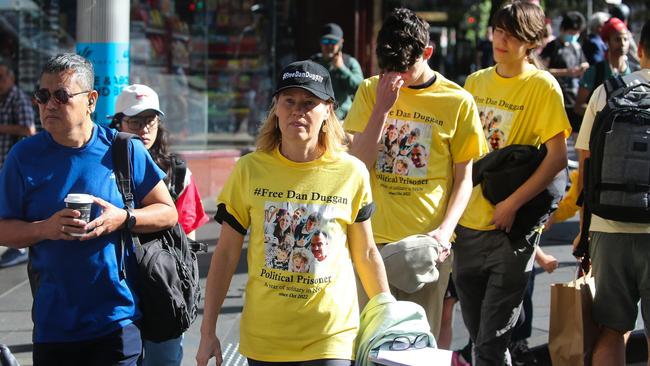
(401, 40)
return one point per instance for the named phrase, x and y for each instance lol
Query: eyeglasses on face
(401, 343)
(42, 96)
(137, 123)
(328, 41)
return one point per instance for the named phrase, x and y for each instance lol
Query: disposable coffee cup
(82, 203)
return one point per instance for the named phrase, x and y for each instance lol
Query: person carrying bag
(572, 331)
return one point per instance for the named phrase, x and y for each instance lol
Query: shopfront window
(30, 33)
(211, 61)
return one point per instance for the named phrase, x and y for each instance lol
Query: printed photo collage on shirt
(496, 126)
(296, 237)
(404, 148)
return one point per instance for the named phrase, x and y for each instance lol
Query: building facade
(213, 62)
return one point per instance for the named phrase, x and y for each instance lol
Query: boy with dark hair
(619, 250)
(429, 200)
(564, 59)
(402, 39)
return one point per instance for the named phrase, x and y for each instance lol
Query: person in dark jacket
(564, 59)
(344, 69)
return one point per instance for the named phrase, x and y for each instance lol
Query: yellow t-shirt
(567, 207)
(301, 302)
(527, 109)
(427, 131)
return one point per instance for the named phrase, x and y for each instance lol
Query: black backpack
(617, 185)
(168, 281)
(617, 173)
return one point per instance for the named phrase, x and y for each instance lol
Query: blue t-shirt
(77, 289)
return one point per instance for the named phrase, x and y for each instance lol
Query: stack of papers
(412, 357)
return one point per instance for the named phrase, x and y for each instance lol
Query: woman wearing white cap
(137, 111)
(293, 317)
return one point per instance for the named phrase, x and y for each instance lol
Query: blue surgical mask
(570, 38)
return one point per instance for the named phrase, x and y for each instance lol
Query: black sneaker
(522, 355)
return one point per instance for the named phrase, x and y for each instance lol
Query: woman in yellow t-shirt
(524, 105)
(301, 303)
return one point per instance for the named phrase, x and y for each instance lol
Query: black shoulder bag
(168, 282)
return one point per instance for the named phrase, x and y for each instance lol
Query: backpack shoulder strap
(122, 166)
(179, 170)
(613, 85)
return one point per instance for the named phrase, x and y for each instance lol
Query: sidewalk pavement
(16, 300)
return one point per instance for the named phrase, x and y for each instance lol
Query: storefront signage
(111, 63)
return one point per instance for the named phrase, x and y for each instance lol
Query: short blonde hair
(331, 138)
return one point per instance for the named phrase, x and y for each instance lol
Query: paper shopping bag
(572, 331)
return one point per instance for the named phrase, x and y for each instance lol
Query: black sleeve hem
(365, 212)
(223, 215)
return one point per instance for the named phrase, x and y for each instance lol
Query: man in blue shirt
(85, 308)
(593, 46)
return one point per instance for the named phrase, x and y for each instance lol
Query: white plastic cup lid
(78, 198)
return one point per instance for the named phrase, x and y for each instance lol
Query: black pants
(491, 273)
(524, 328)
(120, 348)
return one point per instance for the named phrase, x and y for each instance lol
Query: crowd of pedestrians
(349, 177)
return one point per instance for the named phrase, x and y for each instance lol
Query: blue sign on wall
(111, 63)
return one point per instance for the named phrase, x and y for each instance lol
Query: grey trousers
(490, 278)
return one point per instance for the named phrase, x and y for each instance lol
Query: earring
(323, 128)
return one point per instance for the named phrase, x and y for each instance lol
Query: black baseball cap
(332, 31)
(307, 75)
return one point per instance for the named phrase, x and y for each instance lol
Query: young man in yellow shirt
(430, 194)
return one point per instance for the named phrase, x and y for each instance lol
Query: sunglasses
(42, 96)
(401, 343)
(328, 41)
(138, 123)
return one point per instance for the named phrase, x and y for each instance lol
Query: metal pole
(103, 38)
(274, 40)
(590, 8)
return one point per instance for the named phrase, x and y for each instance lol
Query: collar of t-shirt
(424, 85)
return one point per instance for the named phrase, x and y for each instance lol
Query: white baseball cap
(137, 98)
